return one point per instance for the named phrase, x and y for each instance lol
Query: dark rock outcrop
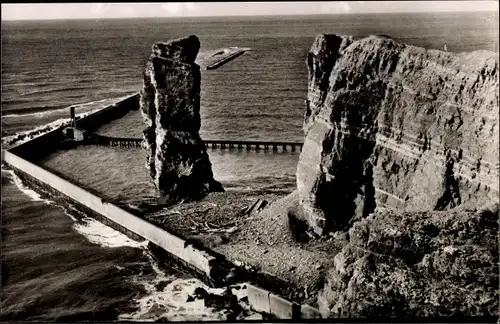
(396, 126)
(439, 263)
(170, 105)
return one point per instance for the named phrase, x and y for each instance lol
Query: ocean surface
(60, 265)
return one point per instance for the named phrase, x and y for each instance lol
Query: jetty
(90, 138)
(223, 56)
(254, 145)
(79, 136)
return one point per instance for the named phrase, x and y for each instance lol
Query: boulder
(170, 105)
(396, 126)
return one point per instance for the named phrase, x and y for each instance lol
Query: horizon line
(258, 15)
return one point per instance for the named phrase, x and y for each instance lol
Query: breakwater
(103, 116)
(21, 159)
(46, 143)
(96, 139)
(210, 266)
(203, 262)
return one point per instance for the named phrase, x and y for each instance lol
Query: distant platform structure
(223, 56)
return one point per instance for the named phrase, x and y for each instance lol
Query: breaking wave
(52, 110)
(25, 189)
(42, 111)
(167, 296)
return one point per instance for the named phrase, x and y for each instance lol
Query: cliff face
(170, 105)
(396, 126)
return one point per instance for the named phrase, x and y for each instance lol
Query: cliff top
(465, 61)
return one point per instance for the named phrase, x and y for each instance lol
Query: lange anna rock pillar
(170, 104)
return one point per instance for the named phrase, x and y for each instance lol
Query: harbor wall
(205, 263)
(47, 143)
(39, 146)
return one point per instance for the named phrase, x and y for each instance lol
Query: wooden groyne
(254, 145)
(95, 139)
(225, 59)
(214, 268)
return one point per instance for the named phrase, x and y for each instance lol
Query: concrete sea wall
(39, 146)
(47, 143)
(211, 266)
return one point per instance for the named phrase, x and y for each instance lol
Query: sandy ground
(261, 240)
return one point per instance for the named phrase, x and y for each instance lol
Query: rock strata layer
(170, 105)
(396, 126)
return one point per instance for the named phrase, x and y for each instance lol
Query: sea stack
(170, 105)
(394, 126)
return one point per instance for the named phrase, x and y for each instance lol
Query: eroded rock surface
(439, 263)
(170, 105)
(396, 126)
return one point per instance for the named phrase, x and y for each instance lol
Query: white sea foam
(24, 189)
(32, 133)
(105, 236)
(93, 230)
(38, 114)
(171, 302)
(59, 110)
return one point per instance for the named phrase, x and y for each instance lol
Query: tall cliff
(396, 126)
(170, 105)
